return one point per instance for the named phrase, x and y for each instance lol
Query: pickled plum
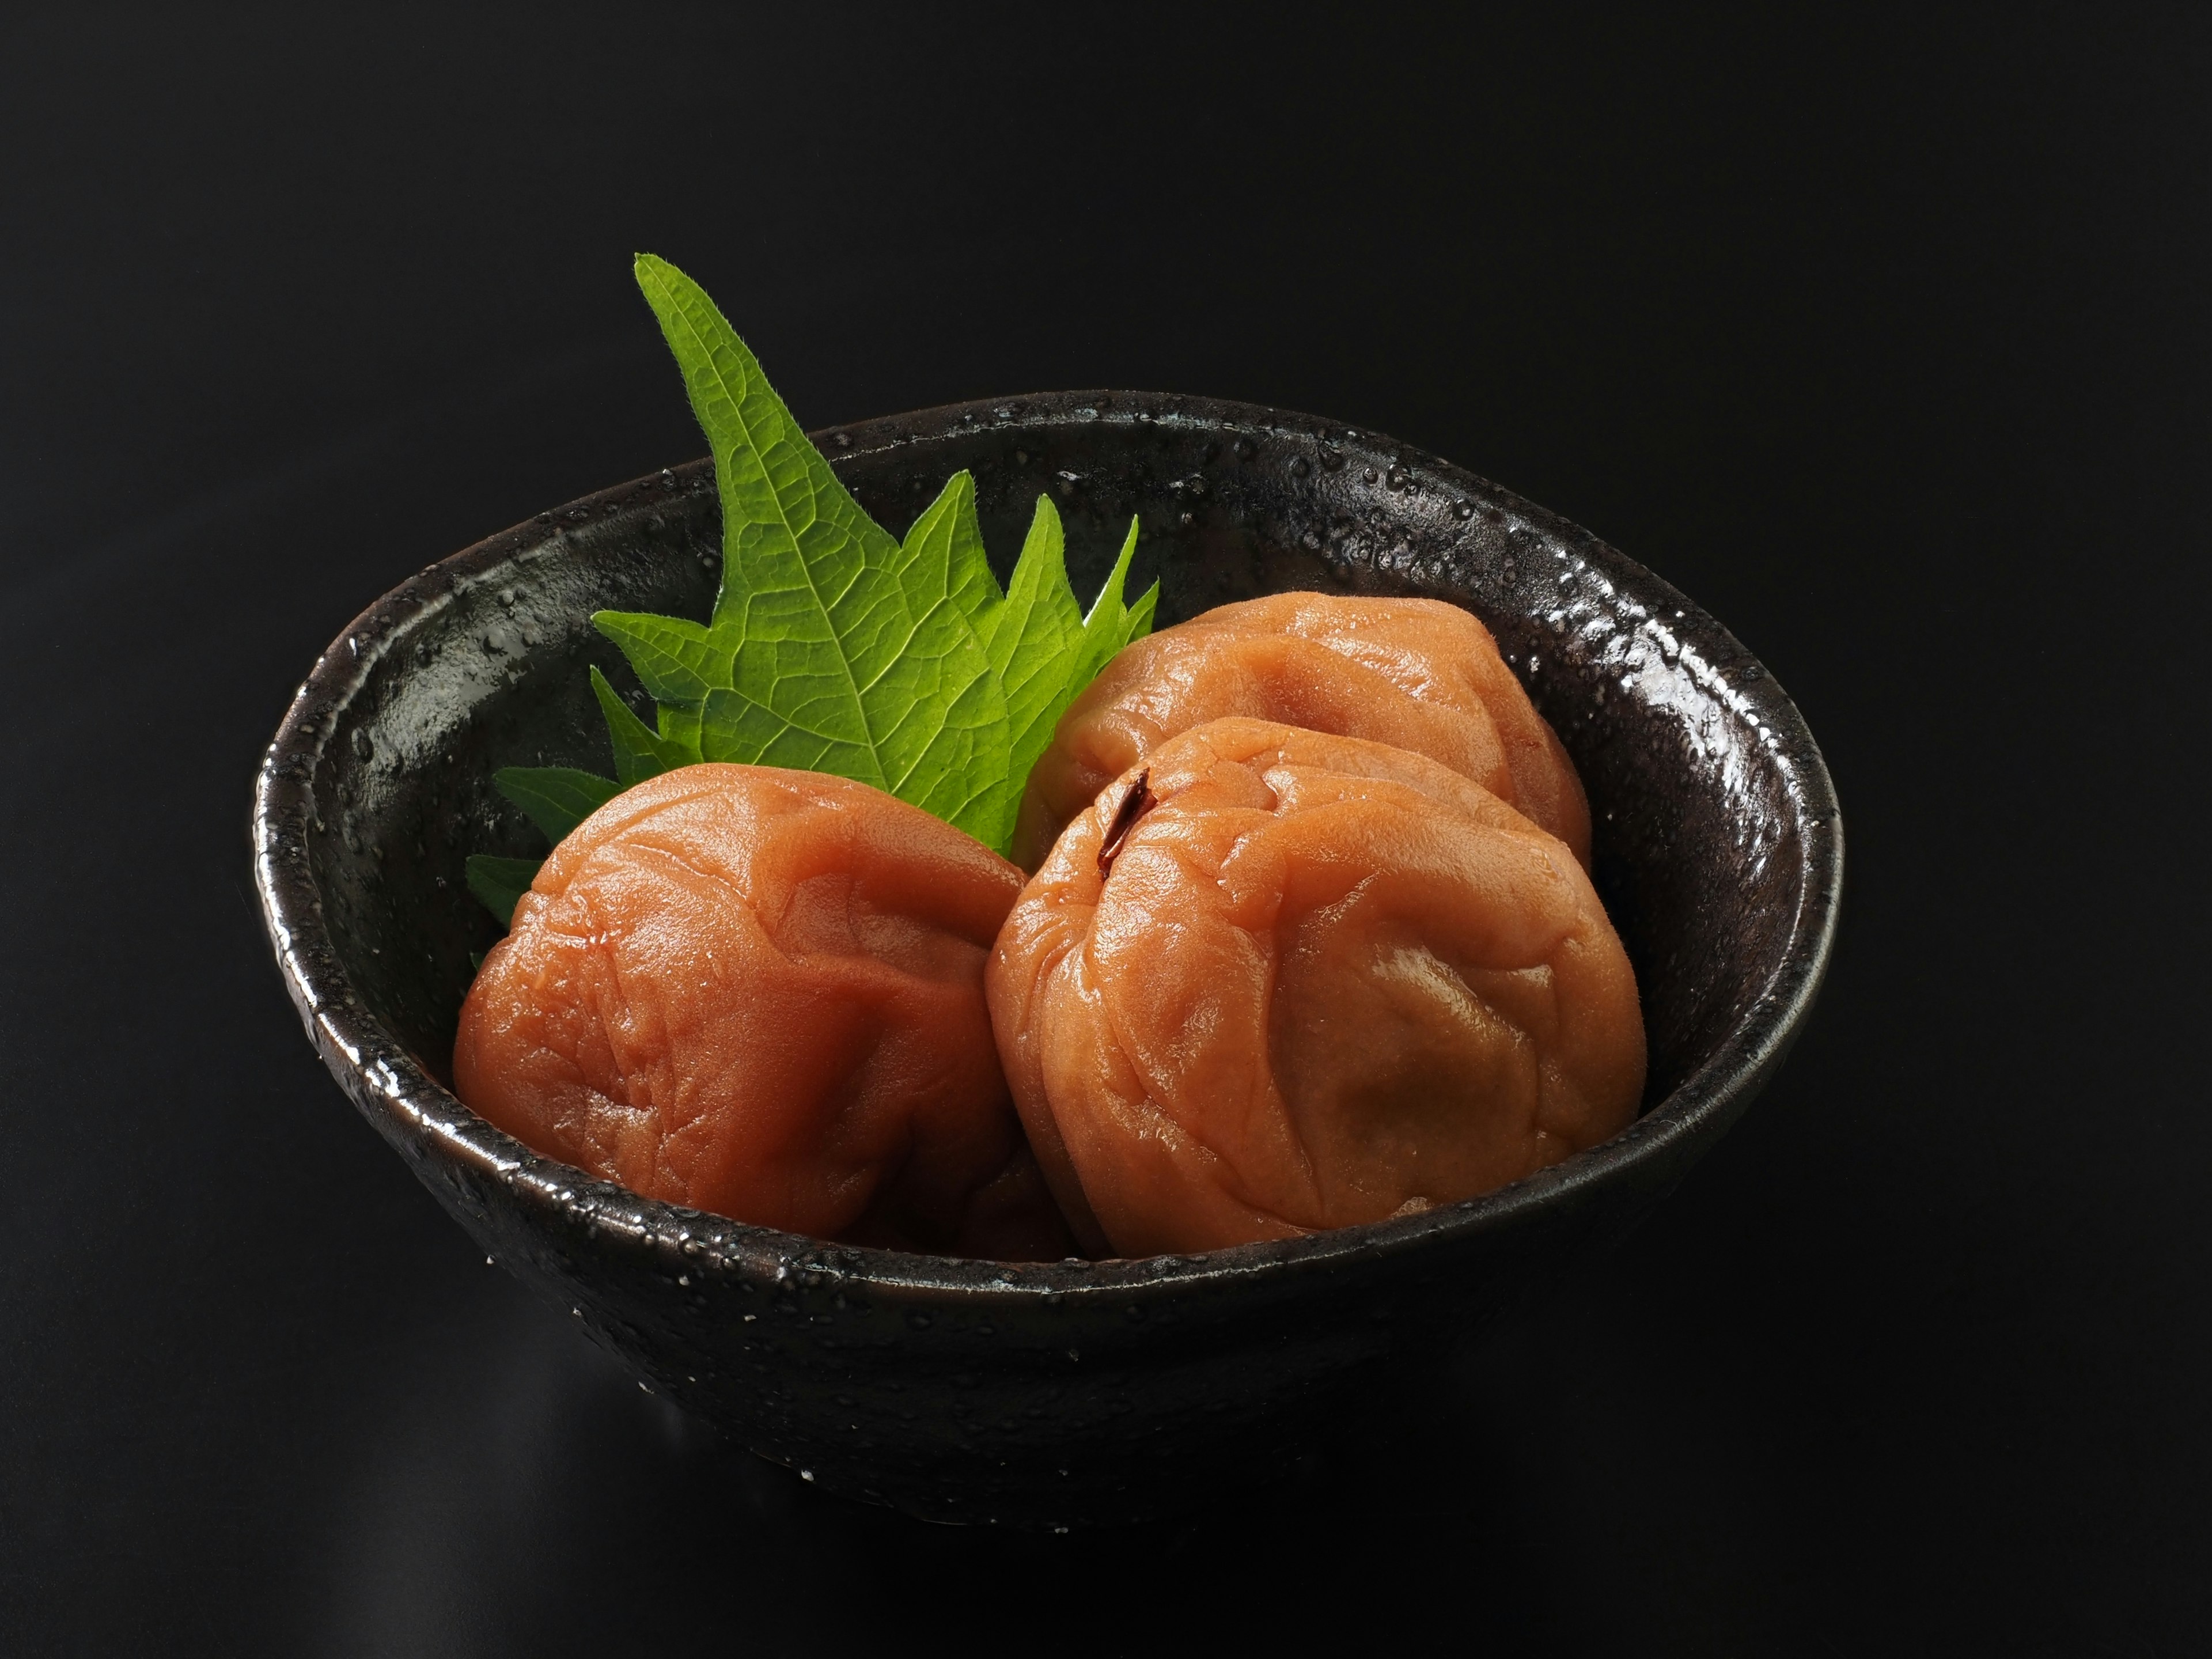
(1321, 981)
(1417, 674)
(759, 993)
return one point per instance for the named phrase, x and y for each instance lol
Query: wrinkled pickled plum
(1324, 981)
(1417, 674)
(759, 993)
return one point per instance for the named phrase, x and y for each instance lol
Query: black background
(1886, 337)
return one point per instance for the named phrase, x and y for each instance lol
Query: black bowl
(1087, 1391)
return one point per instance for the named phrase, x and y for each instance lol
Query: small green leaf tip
(556, 798)
(499, 883)
(640, 753)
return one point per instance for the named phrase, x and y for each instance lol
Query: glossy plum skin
(759, 993)
(1326, 981)
(1417, 674)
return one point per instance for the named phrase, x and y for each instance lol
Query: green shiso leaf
(851, 655)
(834, 647)
(557, 798)
(500, 883)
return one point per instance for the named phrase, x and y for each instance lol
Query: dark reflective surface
(534, 1498)
(1883, 342)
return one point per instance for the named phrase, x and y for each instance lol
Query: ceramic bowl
(1084, 1391)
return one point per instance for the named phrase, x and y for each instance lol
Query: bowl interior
(1714, 822)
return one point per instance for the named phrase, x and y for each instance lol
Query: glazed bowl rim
(406, 1103)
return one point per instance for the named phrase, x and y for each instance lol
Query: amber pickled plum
(1417, 674)
(759, 992)
(1321, 981)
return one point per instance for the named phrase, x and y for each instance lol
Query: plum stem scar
(1135, 804)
